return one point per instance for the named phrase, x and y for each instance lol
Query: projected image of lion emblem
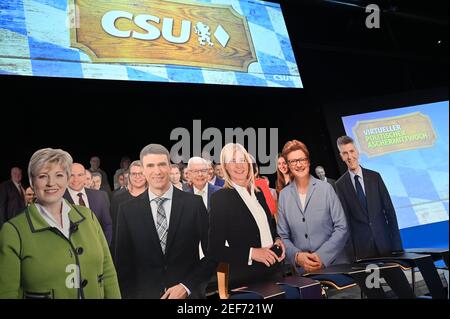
(202, 30)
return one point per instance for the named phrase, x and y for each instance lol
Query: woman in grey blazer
(311, 220)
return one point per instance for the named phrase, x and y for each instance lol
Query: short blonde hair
(227, 154)
(45, 156)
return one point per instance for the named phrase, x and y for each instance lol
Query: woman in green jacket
(54, 249)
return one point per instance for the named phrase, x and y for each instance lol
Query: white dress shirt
(167, 204)
(361, 178)
(76, 199)
(51, 221)
(18, 186)
(259, 214)
(302, 200)
(203, 193)
(21, 191)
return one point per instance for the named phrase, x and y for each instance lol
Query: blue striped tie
(161, 222)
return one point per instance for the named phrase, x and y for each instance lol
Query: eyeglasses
(198, 171)
(296, 161)
(137, 174)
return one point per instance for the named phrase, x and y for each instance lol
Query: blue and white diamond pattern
(37, 30)
(222, 36)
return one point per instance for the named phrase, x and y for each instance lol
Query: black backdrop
(340, 61)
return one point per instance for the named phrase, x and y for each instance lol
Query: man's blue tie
(360, 193)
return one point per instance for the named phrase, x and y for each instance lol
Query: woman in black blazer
(242, 230)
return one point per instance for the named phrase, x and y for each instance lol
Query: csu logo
(162, 32)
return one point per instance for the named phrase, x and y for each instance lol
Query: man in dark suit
(320, 173)
(198, 168)
(95, 167)
(215, 174)
(217, 181)
(12, 196)
(96, 200)
(368, 206)
(158, 235)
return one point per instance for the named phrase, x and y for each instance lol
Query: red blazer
(262, 185)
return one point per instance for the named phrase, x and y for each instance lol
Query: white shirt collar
(240, 188)
(203, 191)
(168, 194)
(75, 193)
(358, 172)
(257, 212)
(51, 221)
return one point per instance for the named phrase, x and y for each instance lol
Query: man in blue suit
(96, 200)
(215, 174)
(198, 168)
(368, 206)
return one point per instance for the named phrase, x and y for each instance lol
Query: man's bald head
(16, 175)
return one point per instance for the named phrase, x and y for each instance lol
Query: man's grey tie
(161, 222)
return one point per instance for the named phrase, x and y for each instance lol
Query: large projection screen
(409, 146)
(230, 42)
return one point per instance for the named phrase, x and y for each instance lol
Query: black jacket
(121, 196)
(143, 270)
(99, 204)
(11, 201)
(231, 222)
